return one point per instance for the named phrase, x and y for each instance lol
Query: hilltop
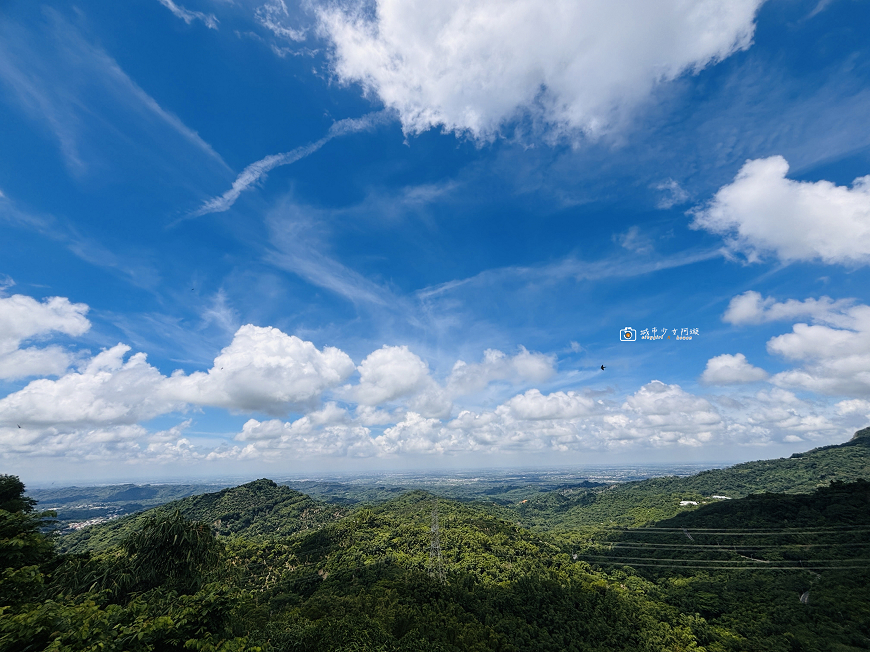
(261, 507)
(82, 506)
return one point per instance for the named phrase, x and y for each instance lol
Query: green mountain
(785, 571)
(261, 507)
(800, 473)
(75, 505)
(381, 579)
(644, 501)
(780, 566)
(778, 572)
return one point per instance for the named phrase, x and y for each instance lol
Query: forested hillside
(769, 567)
(800, 473)
(635, 503)
(368, 581)
(261, 507)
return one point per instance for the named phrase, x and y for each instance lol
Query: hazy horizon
(325, 472)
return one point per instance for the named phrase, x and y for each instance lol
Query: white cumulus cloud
(780, 411)
(656, 415)
(533, 405)
(418, 434)
(752, 308)
(666, 414)
(525, 366)
(33, 361)
(729, 369)
(395, 373)
(832, 344)
(575, 65)
(97, 410)
(275, 429)
(107, 391)
(833, 349)
(389, 373)
(264, 369)
(326, 432)
(854, 406)
(836, 361)
(762, 212)
(24, 318)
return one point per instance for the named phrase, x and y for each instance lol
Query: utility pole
(436, 564)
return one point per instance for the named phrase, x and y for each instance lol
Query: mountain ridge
(260, 507)
(642, 501)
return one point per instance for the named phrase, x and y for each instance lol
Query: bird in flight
(602, 367)
(18, 424)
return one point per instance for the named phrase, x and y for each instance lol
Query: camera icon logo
(627, 334)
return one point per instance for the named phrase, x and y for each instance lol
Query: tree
(12, 498)
(23, 546)
(22, 542)
(171, 551)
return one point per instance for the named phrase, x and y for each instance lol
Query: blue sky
(269, 238)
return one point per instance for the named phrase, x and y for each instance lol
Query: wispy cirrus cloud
(61, 80)
(188, 16)
(296, 233)
(130, 265)
(572, 268)
(674, 194)
(256, 172)
(273, 15)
